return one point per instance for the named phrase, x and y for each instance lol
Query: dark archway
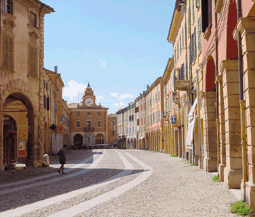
(78, 139)
(210, 74)
(232, 50)
(100, 139)
(28, 151)
(10, 140)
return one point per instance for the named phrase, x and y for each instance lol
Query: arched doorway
(232, 50)
(10, 140)
(210, 119)
(19, 108)
(78, 139)
(100, 139)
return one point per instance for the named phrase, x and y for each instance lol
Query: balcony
(88, 129)
(181, 83)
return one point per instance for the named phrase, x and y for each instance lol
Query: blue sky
(118, 46)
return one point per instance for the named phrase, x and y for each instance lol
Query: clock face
(89, 102)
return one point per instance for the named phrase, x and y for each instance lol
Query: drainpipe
(242, 112)
(217, 91)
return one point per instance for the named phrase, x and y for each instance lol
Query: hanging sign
(173, 120)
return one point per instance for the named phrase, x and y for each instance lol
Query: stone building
(21, 81)
(89, 122)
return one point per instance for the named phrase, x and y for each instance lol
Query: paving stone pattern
(174, 188)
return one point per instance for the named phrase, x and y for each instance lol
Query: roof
(157, 81)
(99, 107)
(59, 75)
(167, 70)
(174, 21)
(47, 6)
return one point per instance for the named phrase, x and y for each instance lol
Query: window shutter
(204, 15)
(32, 61)
(199, 35)
(8, 53)
(209, 13)
(195, 44)
(48, 103)
(193, 11)
(198, 3)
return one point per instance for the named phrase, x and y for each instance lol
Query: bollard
(46, 160)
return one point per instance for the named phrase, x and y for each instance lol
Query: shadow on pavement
(61, 187)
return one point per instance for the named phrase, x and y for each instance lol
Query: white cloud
(99, 97)
(126, 95)
(119, 104)
(114, 94)
(74, 89)
(101, 62)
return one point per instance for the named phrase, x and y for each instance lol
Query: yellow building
(21, 82)
(153, 116)
(88, 122)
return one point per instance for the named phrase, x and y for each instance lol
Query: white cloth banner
(191, 123)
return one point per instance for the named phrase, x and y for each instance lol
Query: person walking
(62, 158)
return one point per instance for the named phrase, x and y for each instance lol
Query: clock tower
(89, 99)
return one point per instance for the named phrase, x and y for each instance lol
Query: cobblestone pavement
(114, 183)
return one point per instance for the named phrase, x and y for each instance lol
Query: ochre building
(88, 122)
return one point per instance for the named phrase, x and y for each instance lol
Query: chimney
(56, 69)
(148, 86)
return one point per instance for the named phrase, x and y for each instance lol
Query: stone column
(180, 142)
(246, 27)
(210, 134)
(1, 138)
(230, 81)
(222, 129)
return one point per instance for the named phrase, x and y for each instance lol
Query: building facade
(89, 122)
(21, 82)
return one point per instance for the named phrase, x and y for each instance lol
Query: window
(98, 123)
(206, 14)
(194, 44)
(77, 113)
(47, 86)
(112, 132)
(32, 19)
(199, 35)
(8, 6)
(98, 113)
(8, 53)
(48, 103)
(89, 114)
(32, 61)
(197, 3)
(43, 83)
(78, 125)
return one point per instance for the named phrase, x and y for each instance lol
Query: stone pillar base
(250, 194)
(232, 178)
(190, 155)
(221, 172)
(210, 164)
(196, 160)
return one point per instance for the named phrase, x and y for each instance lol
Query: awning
(191, 123)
